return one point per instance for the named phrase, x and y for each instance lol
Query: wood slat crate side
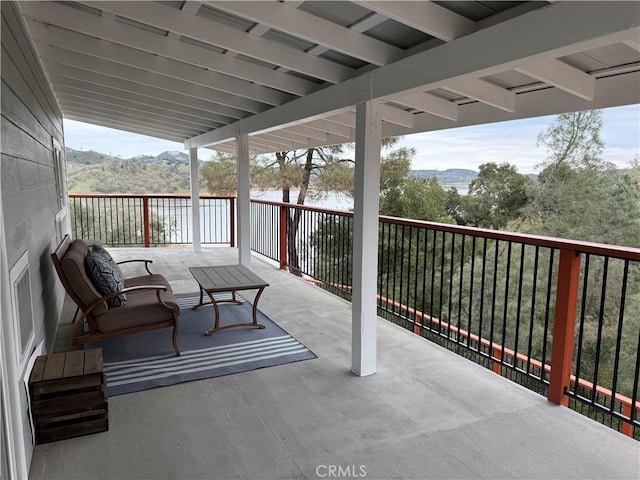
(70, 431)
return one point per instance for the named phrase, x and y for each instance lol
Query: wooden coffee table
(227, 278)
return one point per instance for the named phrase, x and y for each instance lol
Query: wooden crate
(68, 395)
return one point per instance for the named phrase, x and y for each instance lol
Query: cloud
(516, 142)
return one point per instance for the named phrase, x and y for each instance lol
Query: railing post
(564, 326)
(283, 237)
(232, 222)
(145, 221)
(627, 428)
(497, 355)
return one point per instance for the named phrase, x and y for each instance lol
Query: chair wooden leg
(175, 336)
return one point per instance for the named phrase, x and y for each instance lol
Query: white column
(365, 239)
(194, 176)
(244, 223)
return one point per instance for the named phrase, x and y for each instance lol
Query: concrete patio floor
(426, 413)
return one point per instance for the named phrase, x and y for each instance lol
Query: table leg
(200, 304)
(214, 302)
(254, 323)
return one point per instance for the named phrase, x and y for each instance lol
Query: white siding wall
(31, 124)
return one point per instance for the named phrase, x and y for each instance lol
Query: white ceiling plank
(313, 29)
(360, 26)
(117, 32)
(154, 63)
(127, 119)
(279, 137)
(427, 17)
(388, 113)
(392, 114)
(611, 91)
(270, 144)
(62, 74)
(67, 99)
(191, 6)
(331, 128)
(430, 103)
(220, 35)
(634, 44)
(484, 92)
(88, 89)
(119, 126)
(307, 131)
(562, 76)
(133, 120)
(569, 27)
(63, 91)
(347, 119)
(226, 103)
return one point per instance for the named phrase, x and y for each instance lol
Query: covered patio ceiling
(290, 73)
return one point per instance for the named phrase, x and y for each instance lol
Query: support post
(194, 177)
(232, 222)
(146, 229)
(564, 326)
(365, 239)
(284, 233)
(244, 221)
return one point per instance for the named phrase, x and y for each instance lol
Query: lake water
(214, 216)
(330, 200)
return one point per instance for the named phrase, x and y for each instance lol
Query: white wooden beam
(562, 76)
(611, 91)
(168, 105)
(365, 239)
(118, 32)
(327, 126)
(269, 143)
(151, 132)
(145, 84)
(286, 136)
(244, 205)
(67, 101)
(631, 43)
(194, 179)
(427, 17)
(307, 131)
(223, 36)
(119, 54)
(484, 92)
(569, 28)
(430, 103)
(127, 119)
(89, 98)
(313, 29)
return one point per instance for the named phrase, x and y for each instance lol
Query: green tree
(496, 197)
(219, 175)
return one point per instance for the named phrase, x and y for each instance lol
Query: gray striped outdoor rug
(147, 360)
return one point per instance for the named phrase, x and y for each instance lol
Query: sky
(466, 147)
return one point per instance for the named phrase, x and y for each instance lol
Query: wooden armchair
(150, 302)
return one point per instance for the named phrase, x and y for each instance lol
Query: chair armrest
(146, 263)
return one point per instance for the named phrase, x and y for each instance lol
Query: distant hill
(91, 157)
(89, 171)
(450, 175)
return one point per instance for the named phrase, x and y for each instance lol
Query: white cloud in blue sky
(465, 147)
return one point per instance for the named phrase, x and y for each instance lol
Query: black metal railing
(498, 298)
(558, 316)
(150, 220)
